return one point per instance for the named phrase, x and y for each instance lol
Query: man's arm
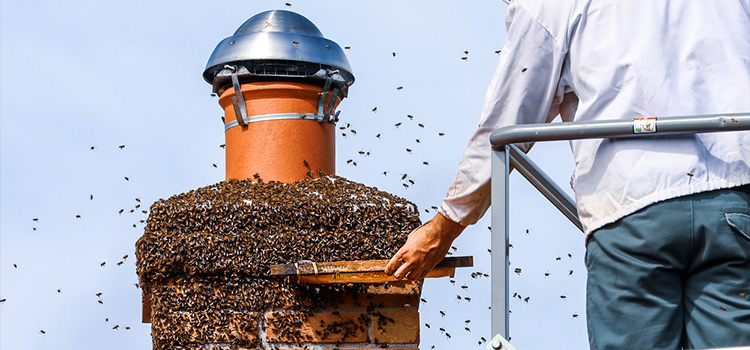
(523, 90)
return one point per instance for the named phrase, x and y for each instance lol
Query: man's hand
(425, 248)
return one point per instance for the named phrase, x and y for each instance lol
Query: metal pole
(618, 128)
(548, 188)
(499, 255)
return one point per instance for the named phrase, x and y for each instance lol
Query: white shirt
(618, 59)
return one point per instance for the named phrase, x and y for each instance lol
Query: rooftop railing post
(499, 245)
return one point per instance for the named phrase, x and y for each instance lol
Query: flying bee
(563, 297)
(397, 124)
(374, 109)
(121, 146)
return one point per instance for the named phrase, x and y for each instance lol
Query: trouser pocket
(740, 222)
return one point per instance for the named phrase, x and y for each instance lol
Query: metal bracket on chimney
(238, 100)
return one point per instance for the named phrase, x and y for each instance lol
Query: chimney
(281, 127)
(206, 256)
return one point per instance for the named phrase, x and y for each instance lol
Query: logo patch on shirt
(644, 125)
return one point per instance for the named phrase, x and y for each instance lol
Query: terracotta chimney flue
(281, 127)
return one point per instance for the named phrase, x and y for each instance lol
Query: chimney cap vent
(278, 37)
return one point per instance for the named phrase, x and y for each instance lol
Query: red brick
(395, 327)
(206, 327)
(323, 327)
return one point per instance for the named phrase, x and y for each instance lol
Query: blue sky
(82, 74)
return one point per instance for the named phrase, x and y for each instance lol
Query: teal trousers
(674, 275)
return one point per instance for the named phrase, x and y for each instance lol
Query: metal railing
(505, 155)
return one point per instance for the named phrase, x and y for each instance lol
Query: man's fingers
(403, 271)
(394, 264)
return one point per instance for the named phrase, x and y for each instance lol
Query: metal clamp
(498, 342)
(238, 100)
(281, 116)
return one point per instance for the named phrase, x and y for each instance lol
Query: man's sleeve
(524, 90)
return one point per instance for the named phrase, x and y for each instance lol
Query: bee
(467, 329)
(467, 299)
(404, 176)
(59, 290)
(99, 294)
(347, 47)
(498, 51)
(92, 148)
(288, 4)
(442, 313)
(526, 299)
(378, 135)
(117, 326)
(400, 88)
(121, 262)
(723, 308)
(426, 324)
(523, 70)
(421, 125)
(546, 274)
(518, 270)
(223, 145)
(570, 273)
(100, 302)
(121, 146)
(408, 150)
(570, 255)
(375, 109)
(397, 125)
(91, 197)
(575, 315)
(42, 332)
(563, 297)
(558, 258)
(214, 165)
(466, 52)
(441, 134)
(120, 212)
(127, 179)
(411, 117)
(295, 42)
(3, 300)
(35, 219)
(464, 58)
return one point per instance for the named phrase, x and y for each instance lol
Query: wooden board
(360, 271)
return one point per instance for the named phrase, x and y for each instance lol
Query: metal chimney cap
(278, 36)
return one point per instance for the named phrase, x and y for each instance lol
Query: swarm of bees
(206, 254)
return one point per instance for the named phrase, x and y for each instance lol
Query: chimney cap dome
(281, 37)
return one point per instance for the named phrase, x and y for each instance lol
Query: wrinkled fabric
(599, 60)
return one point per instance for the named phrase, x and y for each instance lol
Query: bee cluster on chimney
(205, 257)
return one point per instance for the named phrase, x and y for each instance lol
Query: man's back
(625, 59)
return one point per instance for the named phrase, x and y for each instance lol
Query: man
(667, 219)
